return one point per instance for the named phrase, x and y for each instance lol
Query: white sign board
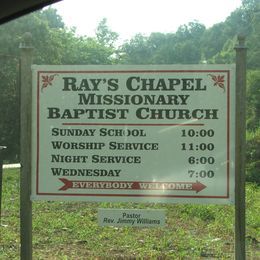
(134, 133)
(131, 217)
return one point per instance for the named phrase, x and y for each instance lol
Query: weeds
(63, 230)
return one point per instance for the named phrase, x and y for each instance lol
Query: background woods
(192, 43)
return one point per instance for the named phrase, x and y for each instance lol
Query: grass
(63, 230)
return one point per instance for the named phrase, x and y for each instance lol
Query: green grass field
(63, 230)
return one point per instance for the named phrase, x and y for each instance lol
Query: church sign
(161, 133)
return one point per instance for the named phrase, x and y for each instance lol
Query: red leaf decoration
(219, 80)
(47, 80)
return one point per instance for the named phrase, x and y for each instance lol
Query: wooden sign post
(240, 149)
(25, 148)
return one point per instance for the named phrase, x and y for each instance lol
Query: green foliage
(253, 156)
(253, 127)
(63, 230)
(137, 51)
(53, 20)
(190, 44)
(54, 44)
(104, 35)
(226, 55)
(182, 47)
(253, 100)
(9, 105)
(254, 39)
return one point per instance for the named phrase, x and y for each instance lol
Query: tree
(104, 35)
(253, 100)
(181, 47)
(163, 48)
(51, 16)
(54, 44)
(137, 51)
(254, 38)
(227, 54)
(9, 105)
(253, 126)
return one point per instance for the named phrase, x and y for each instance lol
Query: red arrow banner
(127, 185)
